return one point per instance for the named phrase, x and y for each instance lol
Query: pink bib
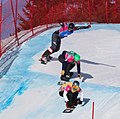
(69, 58)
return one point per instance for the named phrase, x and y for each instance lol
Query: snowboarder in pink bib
(64, 31)
(72, 93)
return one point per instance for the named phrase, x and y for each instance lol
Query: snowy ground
(29, 90)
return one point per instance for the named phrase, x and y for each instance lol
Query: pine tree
(34, 11)
(38, 12)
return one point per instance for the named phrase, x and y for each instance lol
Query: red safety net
(17, 16)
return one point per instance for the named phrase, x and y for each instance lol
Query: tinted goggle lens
(74, 87)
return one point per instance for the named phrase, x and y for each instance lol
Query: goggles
(74, 88)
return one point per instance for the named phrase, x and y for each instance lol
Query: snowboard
(72, 79)
(61, 82)
(68, 110)
(48, 60)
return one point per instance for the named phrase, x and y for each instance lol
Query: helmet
(76, 83)
(77, 57)
(71, 26)
(72, 53)
(75, 86)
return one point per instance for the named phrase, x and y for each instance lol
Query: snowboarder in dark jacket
(64, 31)
(69, 59)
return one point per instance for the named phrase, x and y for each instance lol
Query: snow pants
(72, 97)
(56, 42)
(66, 66)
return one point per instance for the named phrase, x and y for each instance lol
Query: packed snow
(29, 90)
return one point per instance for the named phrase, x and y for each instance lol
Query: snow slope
(29, 90)
(99, 52)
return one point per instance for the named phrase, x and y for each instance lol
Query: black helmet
(76, 83)
(71, 26)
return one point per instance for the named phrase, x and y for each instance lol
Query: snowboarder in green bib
(69, 59)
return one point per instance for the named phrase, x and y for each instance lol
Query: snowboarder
(64, 31)
(68, 60)
(72, 94)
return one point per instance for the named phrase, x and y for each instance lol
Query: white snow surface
(29, 90)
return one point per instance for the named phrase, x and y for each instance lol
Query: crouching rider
(72, 93)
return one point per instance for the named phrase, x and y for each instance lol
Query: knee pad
(50, 50)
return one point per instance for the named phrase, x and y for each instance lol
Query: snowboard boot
(46, 56)
(63, 78)
(76, 102)
(70, 74)
(67, 77)
(49, 58)
(69, 106)
(43, 60)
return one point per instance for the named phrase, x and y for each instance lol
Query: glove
(89, 26)
(62, 72)
(61, 24)
(79, 76)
